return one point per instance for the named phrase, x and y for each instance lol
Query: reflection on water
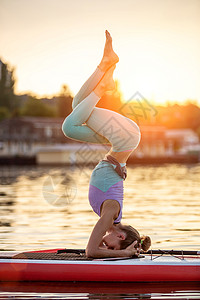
(92, 290)
(47, 207)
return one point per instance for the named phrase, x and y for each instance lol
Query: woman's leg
(73, 125)
(86, 134)
(121, 132)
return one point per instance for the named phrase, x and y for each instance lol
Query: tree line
(12, 105)
(140, 110)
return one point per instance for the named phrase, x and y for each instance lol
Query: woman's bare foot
(110, 58)
(106, 84)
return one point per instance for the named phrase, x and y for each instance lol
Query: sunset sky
(56, 42)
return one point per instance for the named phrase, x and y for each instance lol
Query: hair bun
(145, 242)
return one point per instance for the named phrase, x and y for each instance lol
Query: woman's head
(131, 235)
(112, 240)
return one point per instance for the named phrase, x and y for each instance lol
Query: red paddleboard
(54, 265)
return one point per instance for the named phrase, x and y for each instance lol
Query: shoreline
(132, 160)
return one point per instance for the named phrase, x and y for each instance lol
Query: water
(94, 290)
(47, 207)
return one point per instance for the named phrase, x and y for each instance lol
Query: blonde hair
(132, 235)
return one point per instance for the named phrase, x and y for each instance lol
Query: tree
(36, 108)
(64, 102)
(7, 82)
(179, 116)
(4, 112)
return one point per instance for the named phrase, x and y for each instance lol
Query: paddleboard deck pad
(73, 265)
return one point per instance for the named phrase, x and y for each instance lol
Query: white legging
(98, 125)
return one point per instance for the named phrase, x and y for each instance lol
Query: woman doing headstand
(89, 124)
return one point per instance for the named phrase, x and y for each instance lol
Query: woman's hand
(131, 250)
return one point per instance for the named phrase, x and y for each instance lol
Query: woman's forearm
(101, 253)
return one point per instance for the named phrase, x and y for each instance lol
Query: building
(182, 136)
(43, 138)
(153, 142)
(22, 136)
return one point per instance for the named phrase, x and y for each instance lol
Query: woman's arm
(110, 212)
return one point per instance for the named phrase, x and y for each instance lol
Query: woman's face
(112, 241)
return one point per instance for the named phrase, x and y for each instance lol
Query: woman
(106, 183)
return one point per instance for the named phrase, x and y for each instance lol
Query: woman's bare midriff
(121, 157)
